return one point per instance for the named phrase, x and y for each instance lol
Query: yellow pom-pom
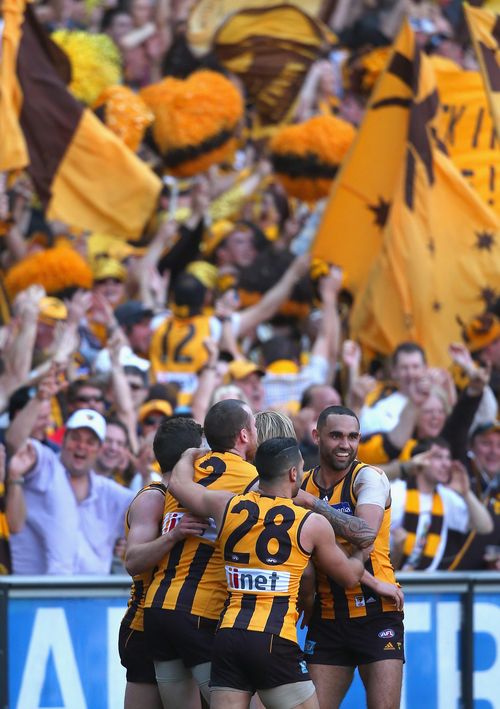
(95, 63)
(125, 114)
(55, 269)
(195, 120)
(306, 156)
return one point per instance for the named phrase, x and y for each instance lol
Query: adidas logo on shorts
(257, 580)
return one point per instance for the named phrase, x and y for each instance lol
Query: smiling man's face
(338, 441)
(79, 451)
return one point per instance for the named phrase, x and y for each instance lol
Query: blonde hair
(273, 424)
(227, 391)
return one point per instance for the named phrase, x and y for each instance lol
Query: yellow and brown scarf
(410, 524)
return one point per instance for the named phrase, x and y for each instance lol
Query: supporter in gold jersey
(146, 546)
(266, 542)
(186, 596)
(359, 627)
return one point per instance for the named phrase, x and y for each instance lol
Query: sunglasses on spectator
(97, 398)
(108, 281)
(153, 420)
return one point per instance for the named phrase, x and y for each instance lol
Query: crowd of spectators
(206, 309)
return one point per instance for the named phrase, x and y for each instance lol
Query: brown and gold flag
(84, 175)
(440, 252)
(208, 15)
(484, 28)
(350, 233)
(271, 50)
(466, 128)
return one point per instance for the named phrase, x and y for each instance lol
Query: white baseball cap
(88, 418)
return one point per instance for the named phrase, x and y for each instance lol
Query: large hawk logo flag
(438, 260)
(350, 233)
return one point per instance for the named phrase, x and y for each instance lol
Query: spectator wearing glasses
(114, 460)
(138, 383)
(86, 394)
(152, 413)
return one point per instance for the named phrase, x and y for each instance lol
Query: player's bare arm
(307, 590)
(318, 537)
(194, 497)
(372, 515)
(373, 495)
(351, 528)
(145, 545)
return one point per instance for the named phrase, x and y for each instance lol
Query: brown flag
(271, 51)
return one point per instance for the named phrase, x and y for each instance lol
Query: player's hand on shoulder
(195, 453)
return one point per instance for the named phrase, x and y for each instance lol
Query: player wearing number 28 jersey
(186, 596)
(266, 542)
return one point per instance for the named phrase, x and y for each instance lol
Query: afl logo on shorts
(388, 633)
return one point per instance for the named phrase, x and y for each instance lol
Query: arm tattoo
(353, 529)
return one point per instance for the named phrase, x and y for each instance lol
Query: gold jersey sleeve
(191, 577)
(335, 601)
(264, 562)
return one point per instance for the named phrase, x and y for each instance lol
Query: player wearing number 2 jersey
(187, 593)
(266, 542)
(146, 546)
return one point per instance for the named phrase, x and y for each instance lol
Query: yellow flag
(440, 255)
(465, 126)
(484, 28)
(13, 150)
(350, 233)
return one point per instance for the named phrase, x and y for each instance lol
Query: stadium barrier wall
(58, 642)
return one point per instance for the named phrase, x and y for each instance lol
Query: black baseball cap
(132, 312)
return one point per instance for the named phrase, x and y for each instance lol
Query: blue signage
(62, 652)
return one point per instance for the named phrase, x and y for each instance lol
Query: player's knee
(171, 671)
(287, 696)
(201, 673)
